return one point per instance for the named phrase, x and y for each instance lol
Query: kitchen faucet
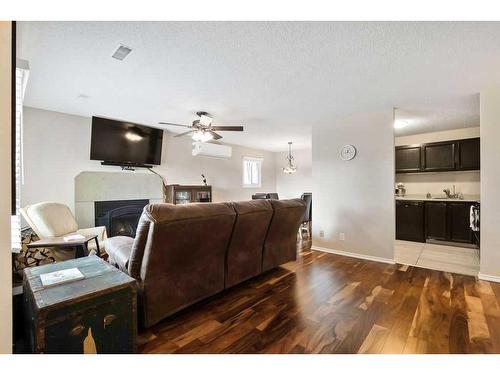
(455, 195)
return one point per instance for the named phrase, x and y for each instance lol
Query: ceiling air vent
(121, 52)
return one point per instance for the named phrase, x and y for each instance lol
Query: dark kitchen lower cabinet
(444, 221)
(410, 220)
(459, 222)
(436, 220)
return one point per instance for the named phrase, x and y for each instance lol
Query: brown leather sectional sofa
(185, 253)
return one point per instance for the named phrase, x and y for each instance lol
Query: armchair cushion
(50, 219)
(119, 249)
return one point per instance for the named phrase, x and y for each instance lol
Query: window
(21, 79)
(252, 172)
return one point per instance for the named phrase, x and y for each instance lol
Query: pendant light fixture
(290, 168)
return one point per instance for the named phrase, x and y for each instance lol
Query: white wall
(293, 185)
(467, 183)
(446, 135)
(57, 149)
(5, 190)
(355, 197)
(225, 175)
(490, 183)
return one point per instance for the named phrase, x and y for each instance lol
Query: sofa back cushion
(280, 245)
(244, 255)
(183, 255)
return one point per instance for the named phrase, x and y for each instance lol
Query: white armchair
(51, 219)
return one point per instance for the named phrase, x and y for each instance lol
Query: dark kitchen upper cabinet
(436, 220)
(463, 154)
(439, 156)
(408, 158)
(410, 220)
(458, 222)
(468, 154)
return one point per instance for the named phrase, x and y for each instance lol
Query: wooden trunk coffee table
(80, 245)
(97, 314)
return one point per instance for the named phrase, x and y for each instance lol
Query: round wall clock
(348, 152)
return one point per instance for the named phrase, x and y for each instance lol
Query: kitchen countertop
(434, 198)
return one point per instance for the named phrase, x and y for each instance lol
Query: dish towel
(474, 218)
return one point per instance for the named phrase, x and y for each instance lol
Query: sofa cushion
(159, 213)
(280, 245)
(184, 255)
(244, 255)
(119, 249)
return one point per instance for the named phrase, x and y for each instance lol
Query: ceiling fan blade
(228, 128)
(185, 133)
(171, 123)
(215, 135)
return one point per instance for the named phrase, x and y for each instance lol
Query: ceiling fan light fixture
(202, 136)
(205, 120)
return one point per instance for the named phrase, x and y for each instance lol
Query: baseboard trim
(482, 276)
(353, 255)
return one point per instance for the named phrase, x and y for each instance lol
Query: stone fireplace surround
(91, 187)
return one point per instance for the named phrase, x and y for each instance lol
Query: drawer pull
(108, 319)
(77, 331)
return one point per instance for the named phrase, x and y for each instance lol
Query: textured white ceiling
(462, 113)
(276, 78)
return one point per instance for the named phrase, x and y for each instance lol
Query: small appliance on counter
(400, 189)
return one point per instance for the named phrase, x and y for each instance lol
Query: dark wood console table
(182, 194)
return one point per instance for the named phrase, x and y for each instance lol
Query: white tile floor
(438, 257)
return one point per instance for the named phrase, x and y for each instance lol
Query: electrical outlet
(342, 236)
(322, 233)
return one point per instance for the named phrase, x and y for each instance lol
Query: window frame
(243, 164)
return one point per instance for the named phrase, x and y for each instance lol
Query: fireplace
(119, 217)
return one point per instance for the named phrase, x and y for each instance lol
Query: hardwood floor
(326, 303)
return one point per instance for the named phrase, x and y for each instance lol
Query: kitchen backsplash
(434, 183)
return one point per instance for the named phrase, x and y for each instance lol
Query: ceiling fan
(202, 129)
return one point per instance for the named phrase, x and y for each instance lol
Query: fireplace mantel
(107, 186)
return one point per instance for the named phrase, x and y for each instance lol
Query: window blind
(21, 79)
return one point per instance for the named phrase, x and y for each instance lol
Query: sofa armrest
(119, 249)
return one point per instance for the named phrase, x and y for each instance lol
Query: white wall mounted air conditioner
(212, 150)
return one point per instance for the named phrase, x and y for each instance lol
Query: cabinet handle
(108, 319)
(77, 331)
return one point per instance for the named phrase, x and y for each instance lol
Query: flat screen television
(125, 143)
